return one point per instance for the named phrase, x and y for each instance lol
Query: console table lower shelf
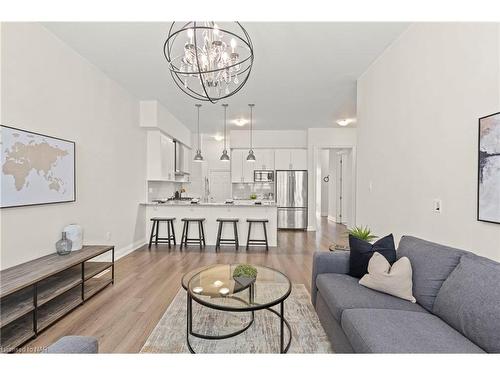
(36, 294)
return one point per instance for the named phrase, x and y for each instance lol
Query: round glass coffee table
(214, 287)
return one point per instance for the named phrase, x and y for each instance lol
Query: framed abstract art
(488, 191)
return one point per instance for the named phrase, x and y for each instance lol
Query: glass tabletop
(217, 286)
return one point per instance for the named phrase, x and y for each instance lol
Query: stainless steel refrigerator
(291, 198)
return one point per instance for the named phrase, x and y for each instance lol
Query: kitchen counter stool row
(170, 239)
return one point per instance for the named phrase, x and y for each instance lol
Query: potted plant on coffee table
(245, 274)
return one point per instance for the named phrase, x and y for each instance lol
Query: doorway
(335, 185)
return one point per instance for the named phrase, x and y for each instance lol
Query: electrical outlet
(150, 190)
(437, 206)
(370, 186)
(108, 236)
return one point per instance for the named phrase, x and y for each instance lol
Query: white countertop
(211, 204)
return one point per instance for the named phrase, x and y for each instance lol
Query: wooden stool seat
(200, 240)
(162, 218)
(257, 242)
(227, 241)
(154, 231)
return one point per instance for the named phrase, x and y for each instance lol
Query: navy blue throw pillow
(362, 251)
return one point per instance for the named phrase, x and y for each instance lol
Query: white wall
(269, 138)
(155, 115)
(49, 88)
(418, 108)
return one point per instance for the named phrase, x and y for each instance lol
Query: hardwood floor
(123, 315)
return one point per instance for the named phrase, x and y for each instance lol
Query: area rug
(308, 336)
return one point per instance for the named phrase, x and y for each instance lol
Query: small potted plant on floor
(362, 233)
(244, 274)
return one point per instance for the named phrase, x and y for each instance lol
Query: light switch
(370, 186)
(437, 206)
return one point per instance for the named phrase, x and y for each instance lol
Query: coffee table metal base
(281, 314)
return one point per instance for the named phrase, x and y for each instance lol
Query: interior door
(340, 188)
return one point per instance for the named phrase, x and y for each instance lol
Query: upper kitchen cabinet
(160, 156)
(264, 159)
(291, 159)
(237, 159)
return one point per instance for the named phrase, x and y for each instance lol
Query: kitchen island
(211, 211)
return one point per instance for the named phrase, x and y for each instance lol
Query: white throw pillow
(395, 280)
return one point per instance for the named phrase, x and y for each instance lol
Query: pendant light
(251, 155)
(224, 156)
(198, 157)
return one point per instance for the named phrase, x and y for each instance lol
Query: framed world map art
(488, 201)
(35, 168)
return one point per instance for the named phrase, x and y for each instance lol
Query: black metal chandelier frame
(176, 72)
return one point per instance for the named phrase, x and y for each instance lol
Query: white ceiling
(304, 74)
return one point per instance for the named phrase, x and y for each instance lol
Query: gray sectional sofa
(457, 309)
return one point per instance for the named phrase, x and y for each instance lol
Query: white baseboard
(331, 218)
(120, 253)
(310, 228)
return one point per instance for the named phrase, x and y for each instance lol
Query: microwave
(263, 176)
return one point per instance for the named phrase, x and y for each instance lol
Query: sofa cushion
(342, 292)
(431, 264)
(469, 301)
(399, 331)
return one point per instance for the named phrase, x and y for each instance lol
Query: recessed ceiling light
(345, 122)
(240, 121)
(218, 137)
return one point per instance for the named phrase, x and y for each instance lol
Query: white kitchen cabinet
(160, 156)
(293, 158)
(241, 169)
(298, 159)
(248, 168)
(167, 157)
(237, 166)
(264, 159)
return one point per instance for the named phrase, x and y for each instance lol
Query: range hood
(180, 163)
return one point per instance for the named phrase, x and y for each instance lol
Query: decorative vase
(74, 233)
(244, 281)
(63, 246)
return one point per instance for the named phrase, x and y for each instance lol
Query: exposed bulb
(190, 34)
(233, 44)
(236, 80)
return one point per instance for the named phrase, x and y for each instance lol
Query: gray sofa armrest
(327, 262)
(74, 344)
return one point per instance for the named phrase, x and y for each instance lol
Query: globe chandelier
(208, 62)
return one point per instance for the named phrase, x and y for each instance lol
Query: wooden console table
(36, 294)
